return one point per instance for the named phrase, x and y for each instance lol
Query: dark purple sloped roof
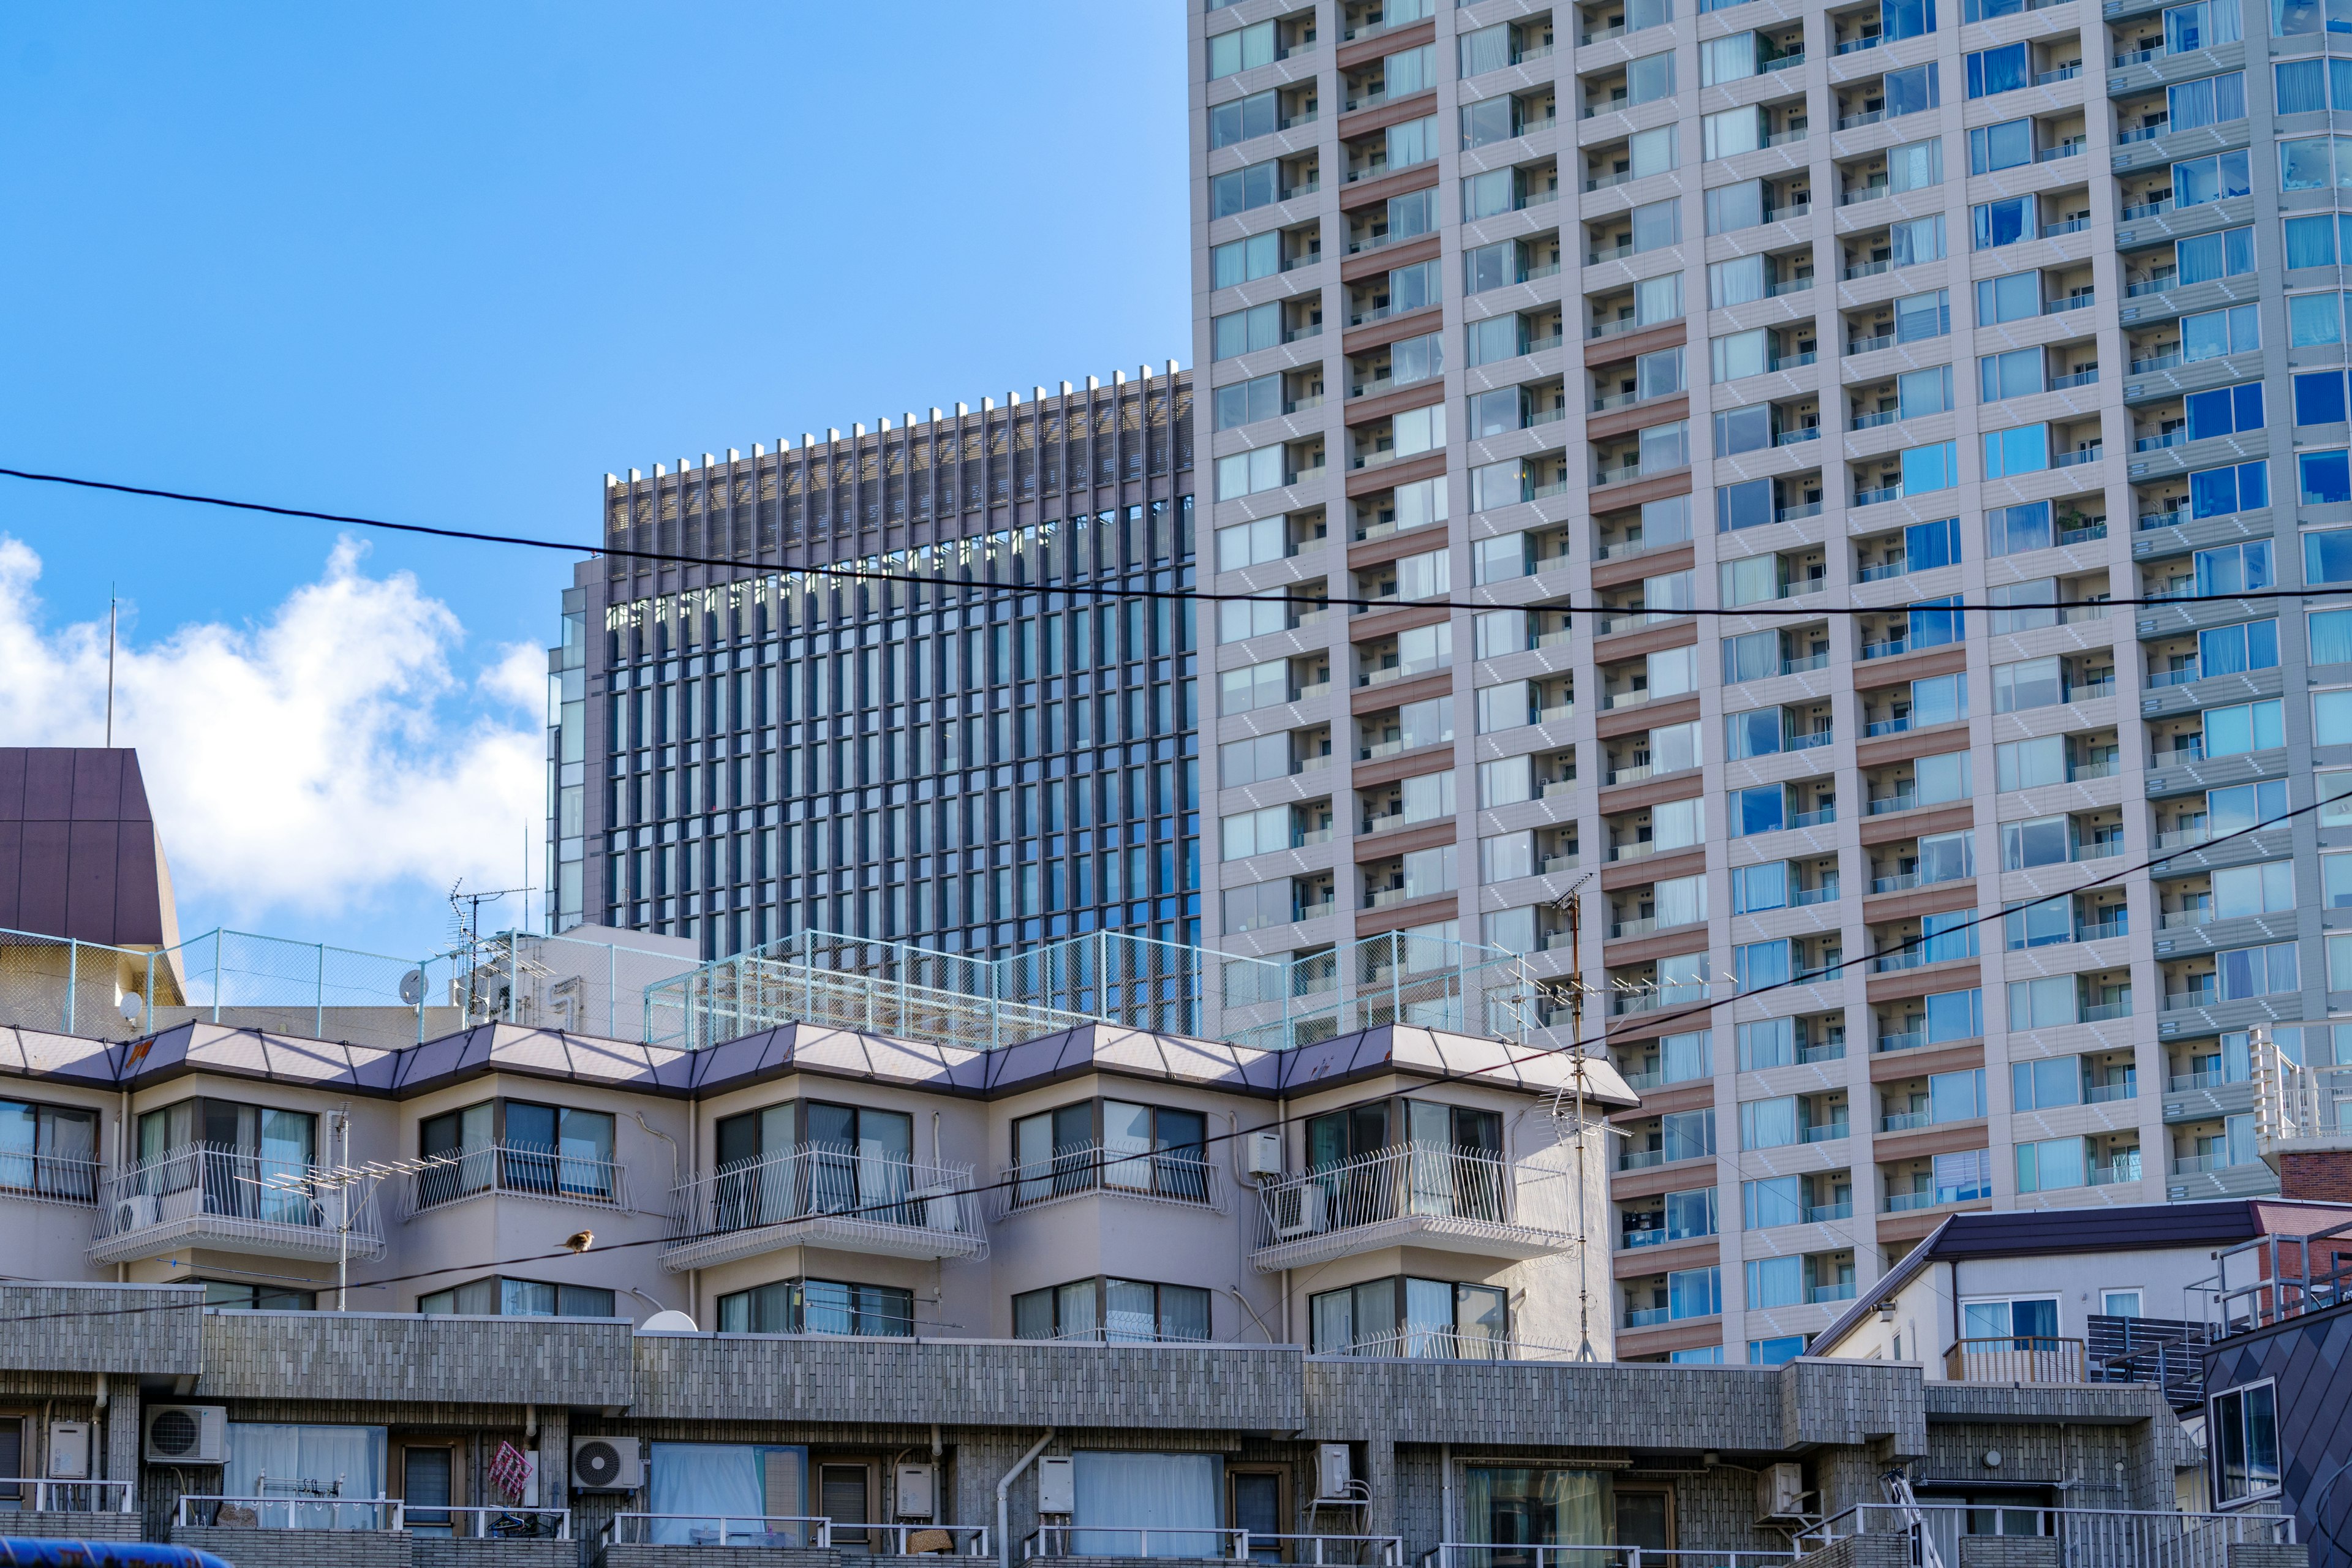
(78, 854)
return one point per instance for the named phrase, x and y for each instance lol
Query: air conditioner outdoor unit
(607, 1465)
(136, 1212)
(1781, 1491)
(1299, 1210)
(188, 1434)
(1265, 1153)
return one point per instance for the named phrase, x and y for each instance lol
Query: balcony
(1443, 1199)
(2024, 1357)
(825, 1195)
(227, 1201)
(520, 1170)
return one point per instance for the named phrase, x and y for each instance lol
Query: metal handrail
(809, 1180)
(2083, 1535)
(844, 1530)
(632, 1529)
(487, 1523)
(216, 1188)
(529, 1169)
(1442, 1187)
(389, 1512)
(1055, 1541)
(1569, 1554)
(72, 1497)
(1183, 1175)
(2015, 1358)
(49, 1178)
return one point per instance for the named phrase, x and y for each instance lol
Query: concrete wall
(152, 1330)
(384, 1357)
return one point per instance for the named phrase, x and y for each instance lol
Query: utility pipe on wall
(1003, 1490)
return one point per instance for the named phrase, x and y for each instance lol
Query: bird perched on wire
(580, 1240)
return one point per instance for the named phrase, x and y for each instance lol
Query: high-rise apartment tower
(1892, 307)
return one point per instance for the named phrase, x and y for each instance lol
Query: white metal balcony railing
(2077, 1534)
(49, 1178)
(798, 1532)
(1447, 1199)
(1175, 1175)
(232, 1201)
(282, 1511)
(1050, 1541)
(518, 1168)
(1465, 1555)
(45, 1496)
(820, 1194)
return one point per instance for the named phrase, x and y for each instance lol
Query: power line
(1114, 593)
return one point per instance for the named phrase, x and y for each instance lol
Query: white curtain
(1174, 1496)
(310, 1468)
(736, 1483)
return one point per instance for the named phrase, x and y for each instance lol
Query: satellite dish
(668, 1322)
(134, 1008)
(412, 987)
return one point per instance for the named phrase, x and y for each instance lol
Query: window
(2201, 25)
(1954, 1015)
(1962, 1177)
(2315, 162)
(1253, 543)
(1686, 1134)
(2029, 683)
(2014, 374)
(1917, 239)
(2244, 1427)
(1245, 332)
(1246, 402)
(2244, 727)
(2000, 70)
(2319, 397)
(2046, 1084)
(1242, 119)
(2229, 651)
(2033, 1317)
(1121, 1311)
(1768, 1124)
(1239, 190)
(2241, 486)
(2201, 180)
(2209, 100)
(1253, 686)
(1244, 48)
(1731, 131)
(1910, 91)
(2014, 530)
(2318, 241)
(2330, 633)
(2043, 1004)
(2261, 889)
(2225, 410)
(239, 1295)
(2016, 298)
(2022, 450)
(1775, 1351)
(1775, 1281)
(2229, 254)
(2313, 86)
(2324, 479)
(1652, 77)
(1133, 1148)
(48, 1151)
(2313, 319)
(1761, 964)
(2331, 718)
(304, 1462)
(1244, 260)
(2246, 972)
(2008, 145)
(503, 1298)
(2050, 1166)
(1694, 1293)
(1411, 1317)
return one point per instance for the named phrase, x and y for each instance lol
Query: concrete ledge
(434, 1552)
(52, 1525)
(299, 1548)
(770, 1377)
(2075, 1403)
(148, 1329)
(385, 1356)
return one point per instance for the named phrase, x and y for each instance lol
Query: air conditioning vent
(606, 1465)
(188, 1434)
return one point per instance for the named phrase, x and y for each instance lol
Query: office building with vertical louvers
(1766, 335)
(750, 738)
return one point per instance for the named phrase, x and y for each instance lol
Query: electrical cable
(1110, 592)
(1098, 1162)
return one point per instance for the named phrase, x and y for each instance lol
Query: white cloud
(308, 763)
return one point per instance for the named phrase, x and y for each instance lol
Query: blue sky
(453, 264)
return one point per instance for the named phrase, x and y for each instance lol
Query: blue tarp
(103, 1555)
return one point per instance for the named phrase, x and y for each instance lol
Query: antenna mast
(110, 603)
(1572, 903)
